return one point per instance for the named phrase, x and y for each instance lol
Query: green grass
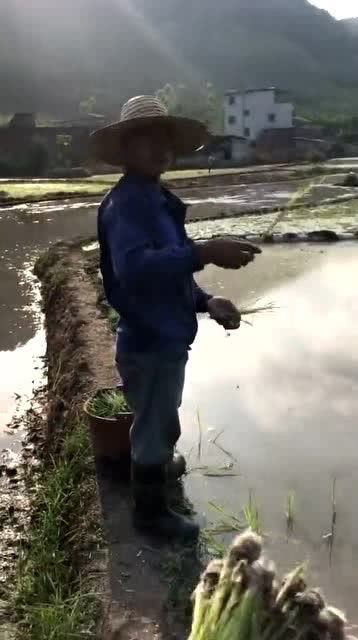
(113, 318)
(52, 601)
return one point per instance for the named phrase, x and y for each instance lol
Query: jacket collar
(155, 189)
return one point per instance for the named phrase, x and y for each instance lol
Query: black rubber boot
(176, 468)
(152, 515)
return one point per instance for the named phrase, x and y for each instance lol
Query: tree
(88, 106)
(202, 103)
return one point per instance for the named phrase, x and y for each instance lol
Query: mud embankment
(76, 333)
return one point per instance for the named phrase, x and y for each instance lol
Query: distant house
(248, 113)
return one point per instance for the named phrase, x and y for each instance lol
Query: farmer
(211, 160)
(147, 264)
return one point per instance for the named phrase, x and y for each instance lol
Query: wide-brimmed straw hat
(147, 111)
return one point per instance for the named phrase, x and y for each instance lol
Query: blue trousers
(153, 386)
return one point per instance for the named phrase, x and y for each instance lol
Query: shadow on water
(284, 394)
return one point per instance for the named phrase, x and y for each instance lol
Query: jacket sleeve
(201, 299)
(133, 256)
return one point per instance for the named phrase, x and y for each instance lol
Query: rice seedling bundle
(108, 404)
(242, 598)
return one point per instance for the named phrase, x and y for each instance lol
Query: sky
(339, 8)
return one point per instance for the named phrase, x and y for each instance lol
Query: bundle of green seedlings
(241, 598)
(108, 404)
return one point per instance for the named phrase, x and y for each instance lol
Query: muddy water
(283, 395)
(24, 232)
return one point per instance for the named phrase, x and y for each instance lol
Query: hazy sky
(339, 8)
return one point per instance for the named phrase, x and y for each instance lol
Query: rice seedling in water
(290, 512)
(108, 404)
(212, 547)
(200, 438)
(221, 448)
(240, 597)
(229, 521)
(223, 471)
(251, 515)
(330, 537)
(333, 520)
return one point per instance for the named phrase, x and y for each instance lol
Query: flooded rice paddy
(273, 194)
(281, 395)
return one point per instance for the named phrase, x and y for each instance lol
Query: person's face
(149, 151)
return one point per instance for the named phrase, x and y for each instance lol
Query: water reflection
(284, 392)
(25, 231)
(22, 372)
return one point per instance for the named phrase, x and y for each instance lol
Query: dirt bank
(136, 590)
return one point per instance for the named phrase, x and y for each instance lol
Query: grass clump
(108, 404)
(52, 600)
(113, 318)
(240, 597)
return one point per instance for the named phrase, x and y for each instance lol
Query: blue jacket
(147, 264)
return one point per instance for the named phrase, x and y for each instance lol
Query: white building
(250, 112)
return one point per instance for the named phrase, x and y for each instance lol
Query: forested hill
(54, 54)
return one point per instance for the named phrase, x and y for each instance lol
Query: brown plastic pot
(110, 436)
